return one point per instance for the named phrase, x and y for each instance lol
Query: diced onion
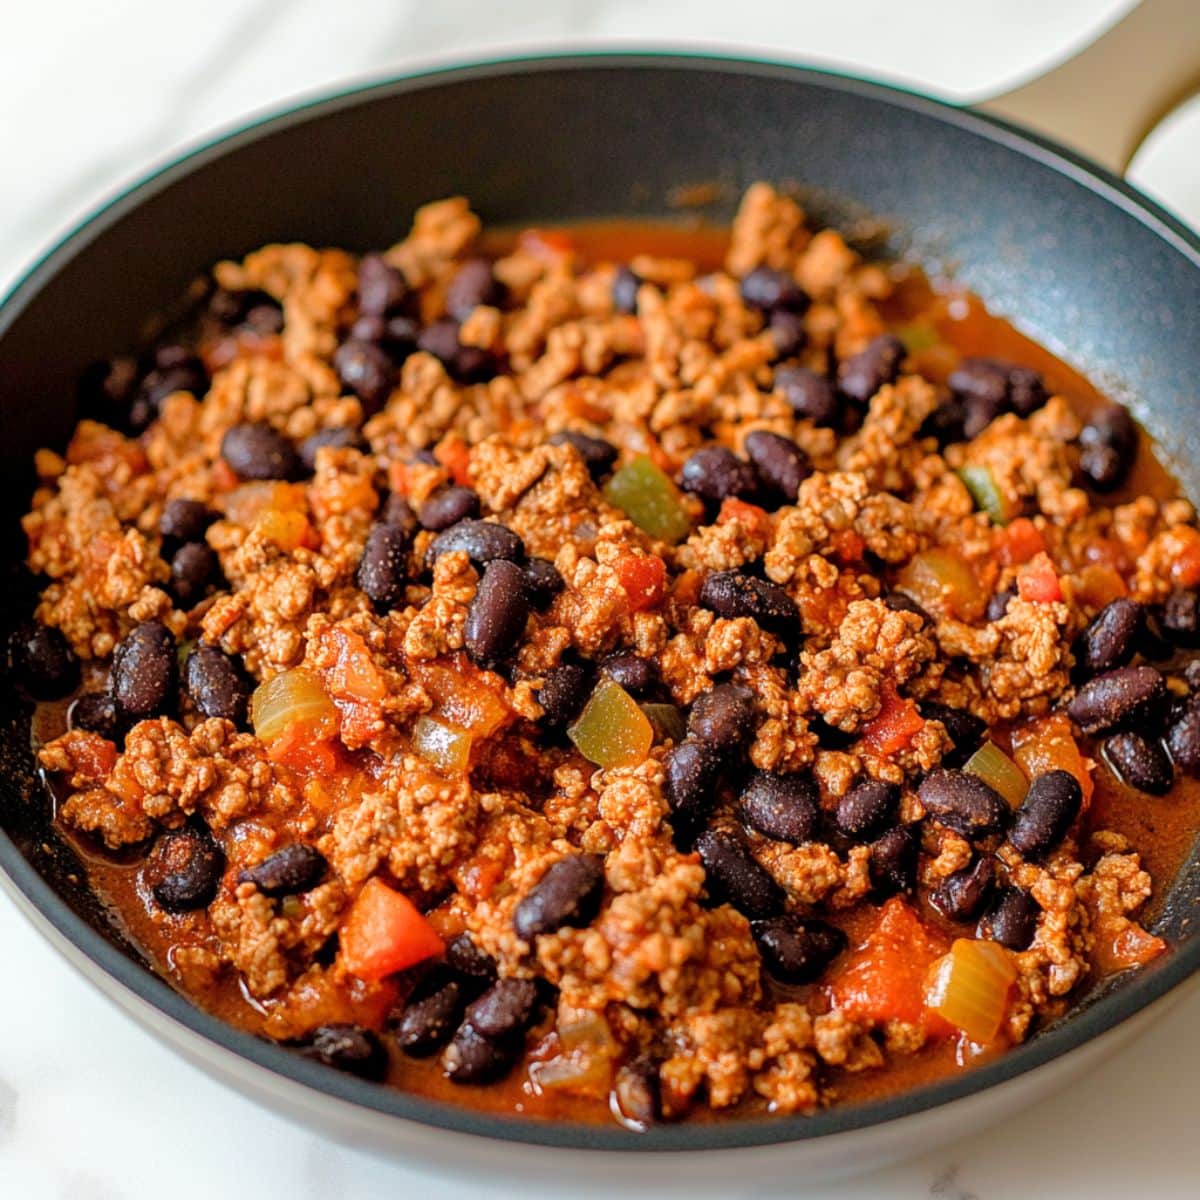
(999, 772)
(289, 699)
(969, 988)
(443, 746)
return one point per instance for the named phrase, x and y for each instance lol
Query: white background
(95, 92)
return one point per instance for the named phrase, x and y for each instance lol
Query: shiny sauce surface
(941, 323)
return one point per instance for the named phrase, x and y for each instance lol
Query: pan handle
(1105, 100)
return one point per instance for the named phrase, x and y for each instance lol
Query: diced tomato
(753, 519)
(1038, 581)
(883, 977)
(455, 455)
(644, 578)
(895, 725)
(301, 748)
(462, 694)
(1018, 542)
(848, 546)
(1125, 947)
(1185, 569)
(354, 676)
(1048, 744)
(383, 933)
(397, 474)
(547, 243)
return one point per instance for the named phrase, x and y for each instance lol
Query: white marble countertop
(90, 1107)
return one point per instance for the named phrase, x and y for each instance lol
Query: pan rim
(22, 880)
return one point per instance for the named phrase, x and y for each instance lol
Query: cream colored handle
(1105, 100)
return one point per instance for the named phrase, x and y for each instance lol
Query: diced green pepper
(987, 496)
(917, 336)
(667, 721)
(646, 495)
(612, 731)
(999, 772)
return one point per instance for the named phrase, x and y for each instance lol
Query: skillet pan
(1086, 265)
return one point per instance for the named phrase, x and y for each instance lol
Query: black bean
(294, 869)
(472, 1058)
(997, 604)
(399, 337)
(1140, 762)
(497, 615)
(861, 375)
(184, 521)
(899, 602)
(734, 594)
(349, 1048)
(368, 328)
(767, 289)
(1179, 618)
(441, 340)
(715, 472)
(1047, 812)
(43, 661)
(1111, 638)
(1026, 390)
(946, 424)
(465, 956)
(193, 568)
(430, 1018)
(185, 869)
(483, 541)
(144, 670)
(787, 332)
(97, 713)
(867, 809)
(1183, 738)
(467, 364)
(736, 878)
(338, 437)
(563, 693)
(366, 370)
(893, 861)
(215, 684)
(1108, 447)
(397, 511)
(781, 465)
(692, 769)
(964, 803)
(1191, 674)
(383, 568)
(961, 896)
(542, 582)
(1120, 697)
(980, 379)
(233, 307)
(638, 1092)
(1011, 919)
(782, 807)
(597, 454)
(811, 395)
(964, 729)
(183, 373)
(723, 717)
(381, 287)
(796, 950)
(473, 284)
(257, 451)
(266, 320)
(447, 506)
(637, 675)
(505, 1009)
(625, 286)
(568, 893)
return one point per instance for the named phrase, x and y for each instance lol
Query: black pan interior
(1079, 260)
